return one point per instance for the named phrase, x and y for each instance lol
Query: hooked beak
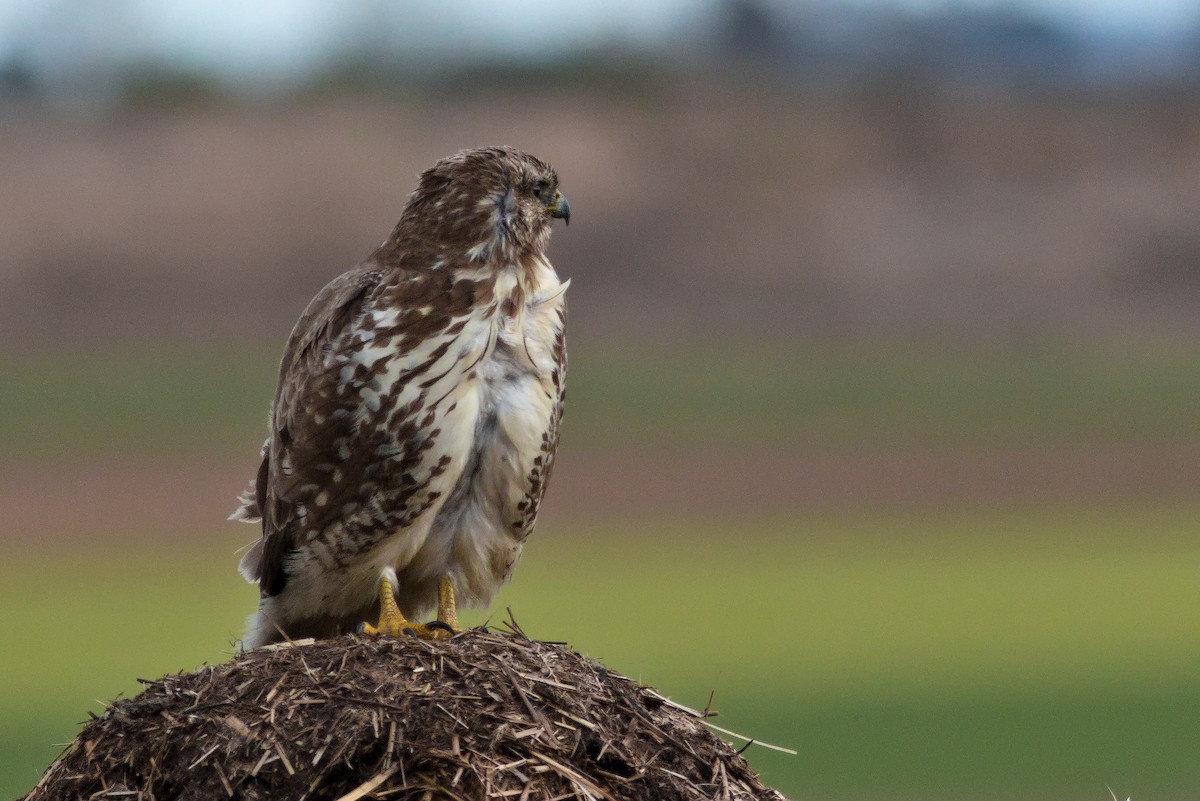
(561, 208)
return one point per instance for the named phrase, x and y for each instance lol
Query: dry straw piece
(484, 715)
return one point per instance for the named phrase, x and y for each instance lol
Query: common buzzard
(416, 419)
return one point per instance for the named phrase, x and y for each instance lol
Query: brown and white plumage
(417, 414)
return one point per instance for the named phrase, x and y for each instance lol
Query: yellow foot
(434, 630)
(393, 624)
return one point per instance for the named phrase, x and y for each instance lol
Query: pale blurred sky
(277, 36)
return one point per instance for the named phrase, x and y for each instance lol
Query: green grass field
(1021, 654)
(155, 402)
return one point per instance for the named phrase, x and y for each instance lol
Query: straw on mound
(481, 716)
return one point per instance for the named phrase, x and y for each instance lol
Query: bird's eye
(538, 188)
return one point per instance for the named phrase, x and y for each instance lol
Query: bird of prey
(417, 414)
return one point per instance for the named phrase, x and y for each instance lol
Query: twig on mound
(511, 623)
(368, 787)
(702, 715)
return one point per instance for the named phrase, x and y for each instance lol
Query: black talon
(409, 632)
(437, 624)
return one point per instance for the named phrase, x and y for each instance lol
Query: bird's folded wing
(304, 405)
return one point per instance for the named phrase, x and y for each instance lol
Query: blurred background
(882, 421)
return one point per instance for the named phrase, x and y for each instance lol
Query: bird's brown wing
(305, 420)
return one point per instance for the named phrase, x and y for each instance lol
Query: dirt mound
(483, 715)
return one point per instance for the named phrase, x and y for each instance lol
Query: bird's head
(492, 203)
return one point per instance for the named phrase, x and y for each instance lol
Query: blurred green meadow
(156, 402)
(1032, 650)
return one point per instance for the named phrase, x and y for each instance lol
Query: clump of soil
(483, 715)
